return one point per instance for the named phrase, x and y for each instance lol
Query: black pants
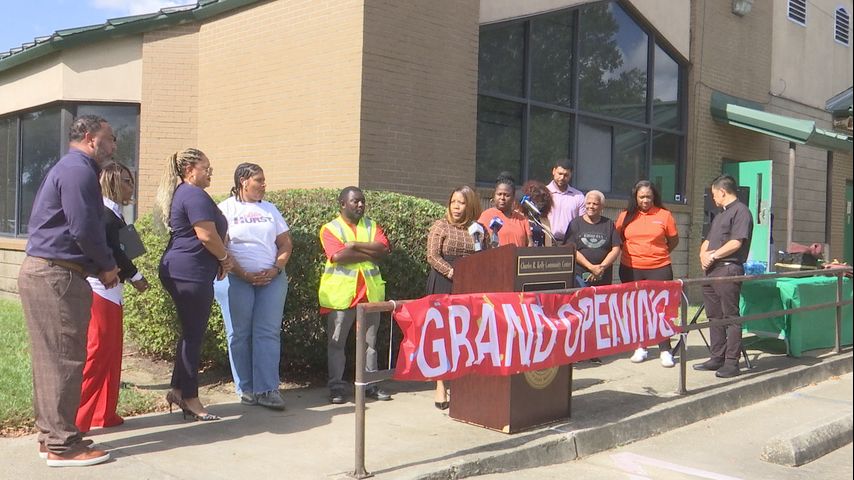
(629, 274)
(193, 302)
(721, 302)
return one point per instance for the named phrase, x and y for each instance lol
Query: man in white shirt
(568, 201)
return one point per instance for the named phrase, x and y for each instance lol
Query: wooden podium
(513, 403)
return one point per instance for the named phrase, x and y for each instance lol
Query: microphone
(495, 225)
(527, 203)
(476, 232)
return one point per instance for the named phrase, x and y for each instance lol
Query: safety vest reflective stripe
(339, 282)
(350, 272)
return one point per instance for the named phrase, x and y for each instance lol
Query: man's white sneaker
(639, 355)
(666, 359)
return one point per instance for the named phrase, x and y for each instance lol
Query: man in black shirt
(722, 254)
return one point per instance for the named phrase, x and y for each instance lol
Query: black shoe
(728, 371)
(378, 394)
(337, 399)
(596, 360)
(442, 405)
(709, 365)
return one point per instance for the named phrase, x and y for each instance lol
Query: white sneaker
(639, 355)
(666, 359)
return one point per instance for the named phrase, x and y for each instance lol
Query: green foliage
(150, 316)
(16, 387)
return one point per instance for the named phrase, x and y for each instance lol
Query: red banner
(448, 336)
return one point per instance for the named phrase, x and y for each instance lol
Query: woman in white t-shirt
(253, 294)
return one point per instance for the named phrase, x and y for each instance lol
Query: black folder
(130, 241)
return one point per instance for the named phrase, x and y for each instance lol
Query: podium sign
(517, 402)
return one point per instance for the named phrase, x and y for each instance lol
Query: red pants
(102, 372)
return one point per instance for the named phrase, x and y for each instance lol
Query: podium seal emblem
(540, 379)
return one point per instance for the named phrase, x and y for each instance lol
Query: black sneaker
(378, 394)
(728, 371)
(337, 399)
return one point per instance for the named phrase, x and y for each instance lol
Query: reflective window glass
(665, 99)
(499, 139)
(124, 119)
(551, 58)
(664, 168)
(612, 70)
(593, 165)
(8, 173)
(549, 141)
(40, 147)
(629, 160)
(501, 59)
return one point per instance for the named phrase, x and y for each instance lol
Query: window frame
(67, 112)
(579, 115)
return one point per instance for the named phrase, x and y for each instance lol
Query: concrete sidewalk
(612, 404)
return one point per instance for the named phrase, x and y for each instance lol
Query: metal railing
(364, 378)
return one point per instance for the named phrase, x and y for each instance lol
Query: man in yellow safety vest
(353, 243)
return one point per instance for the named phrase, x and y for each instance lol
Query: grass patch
(16, 391)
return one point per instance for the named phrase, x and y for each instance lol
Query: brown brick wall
(732, 55)
(419, 96)
(169, 115)
(279, 85)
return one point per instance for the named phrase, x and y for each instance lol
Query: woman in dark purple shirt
(195, 255)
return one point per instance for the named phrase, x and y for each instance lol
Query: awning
(796, 130)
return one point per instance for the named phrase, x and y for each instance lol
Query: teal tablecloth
(804, 330)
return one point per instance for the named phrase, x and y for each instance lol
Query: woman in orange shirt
(649, 235)
(513, 224)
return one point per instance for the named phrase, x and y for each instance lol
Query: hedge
(150, 319)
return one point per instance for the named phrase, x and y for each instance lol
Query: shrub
(150, 316)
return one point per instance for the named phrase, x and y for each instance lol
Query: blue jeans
(253, 328)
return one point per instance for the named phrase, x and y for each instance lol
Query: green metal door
(848, 252)
(756, 176)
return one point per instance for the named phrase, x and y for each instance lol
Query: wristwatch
(278, 268)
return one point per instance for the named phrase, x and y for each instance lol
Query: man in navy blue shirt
(67, 242)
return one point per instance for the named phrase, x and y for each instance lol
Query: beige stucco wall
(809, 66)
(671, 18)
(109, 70)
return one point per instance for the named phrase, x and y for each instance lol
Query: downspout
(790, 203)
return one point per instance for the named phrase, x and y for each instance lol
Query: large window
(589, 84)
(32, 142)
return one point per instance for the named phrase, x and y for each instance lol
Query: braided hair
(243, 172)
(176, 165)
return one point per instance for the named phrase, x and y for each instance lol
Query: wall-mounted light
(741, 7)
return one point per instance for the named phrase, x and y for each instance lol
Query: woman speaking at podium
(455, 235)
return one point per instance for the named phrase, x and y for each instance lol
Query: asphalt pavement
(613, 404)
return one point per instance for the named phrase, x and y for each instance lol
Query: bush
(150, 316)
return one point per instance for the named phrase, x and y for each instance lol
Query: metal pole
(683, 346)
(360, 471)
(790, 205)
(838, 344)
